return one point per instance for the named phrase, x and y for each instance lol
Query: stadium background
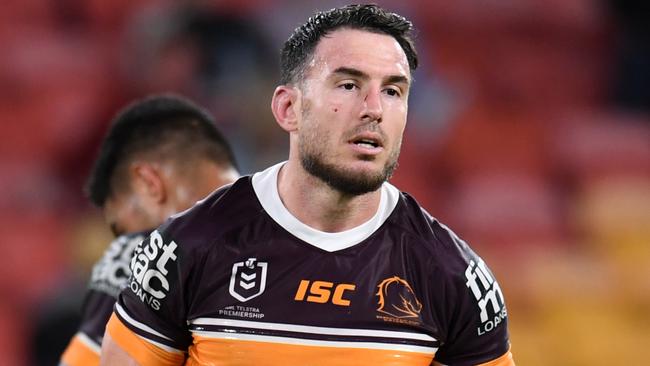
(529, 134)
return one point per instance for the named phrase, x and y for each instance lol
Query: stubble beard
(347, 181)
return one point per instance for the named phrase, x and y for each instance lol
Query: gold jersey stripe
(79, 353)
(232, 352)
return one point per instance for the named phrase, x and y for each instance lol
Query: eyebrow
(351, 72)
(348, 71)
(397, 79)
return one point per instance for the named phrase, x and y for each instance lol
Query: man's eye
(392, 92)
(348, 86)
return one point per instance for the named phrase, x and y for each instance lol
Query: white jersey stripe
(137, 324)
(312, 330)
(88, 342)
(311, 342)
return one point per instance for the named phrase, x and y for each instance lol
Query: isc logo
(321, 292)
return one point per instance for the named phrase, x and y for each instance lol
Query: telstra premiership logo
(248, 279)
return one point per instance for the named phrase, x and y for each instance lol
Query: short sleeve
(152, 305)
(477, 318)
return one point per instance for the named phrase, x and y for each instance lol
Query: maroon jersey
(238, 280)
(109, 277)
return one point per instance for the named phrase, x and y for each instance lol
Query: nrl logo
(248, 279)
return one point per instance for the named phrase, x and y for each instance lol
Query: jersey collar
(265, 185)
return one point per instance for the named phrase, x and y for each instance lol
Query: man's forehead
(361, 50)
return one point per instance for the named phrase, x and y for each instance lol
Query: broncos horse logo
(397, 299)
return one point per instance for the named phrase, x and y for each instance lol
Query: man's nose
(372, 107)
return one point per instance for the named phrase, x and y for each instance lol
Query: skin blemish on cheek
(336, 110)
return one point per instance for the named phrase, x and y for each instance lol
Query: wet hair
(156, 128)
(300, 46)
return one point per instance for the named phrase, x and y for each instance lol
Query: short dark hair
(162, 126)
(300, 46)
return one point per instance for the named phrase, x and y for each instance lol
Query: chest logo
(397, 299)
(321, 292)
(248, 279)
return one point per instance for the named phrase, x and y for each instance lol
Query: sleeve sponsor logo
(398, 301)
(248, 279)
(488, 295)
(149, 267)
(111, 274)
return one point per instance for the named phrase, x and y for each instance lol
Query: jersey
(238, 280)
(109, 277)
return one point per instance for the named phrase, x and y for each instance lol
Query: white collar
(265, 185)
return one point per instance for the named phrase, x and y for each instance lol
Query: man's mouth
(367, 143)
(367, 140)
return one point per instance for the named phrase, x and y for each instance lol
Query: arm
(122, 346)
(148, 322)
(113, 354)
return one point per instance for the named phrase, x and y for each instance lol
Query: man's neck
(318, 205)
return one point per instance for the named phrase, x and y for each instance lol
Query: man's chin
(360, 166)
(355, 177)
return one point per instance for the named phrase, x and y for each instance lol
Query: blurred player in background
(317, 260)
(160, 156)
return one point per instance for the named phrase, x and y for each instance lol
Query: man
(161, 155)
(317, 260)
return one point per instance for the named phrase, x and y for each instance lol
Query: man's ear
(286, 106)
(147, 181)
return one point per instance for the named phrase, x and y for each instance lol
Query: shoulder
(111, 271)
(436, 242)
(225, 209)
